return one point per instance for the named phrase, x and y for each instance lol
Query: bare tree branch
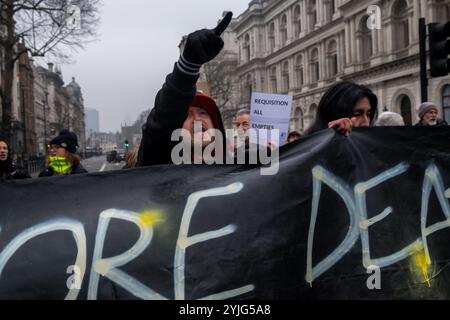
(44, 28)
(219, 82)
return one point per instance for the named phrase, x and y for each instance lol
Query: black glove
(202, 46)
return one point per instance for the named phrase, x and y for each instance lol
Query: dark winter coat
(169, 113)
(48, 172)
(9, 172)
(439, 122)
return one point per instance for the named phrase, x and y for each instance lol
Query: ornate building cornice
(390, 68)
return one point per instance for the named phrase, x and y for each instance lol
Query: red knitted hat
(209, 105)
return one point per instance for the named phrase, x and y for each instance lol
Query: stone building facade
(41, 110)
(41, 106)
(24, 134)
(57, 106)
(301, 47)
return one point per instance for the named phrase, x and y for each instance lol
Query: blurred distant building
(92, 121)
(103, 141)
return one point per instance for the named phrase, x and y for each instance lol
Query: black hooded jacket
(439, 122)
(9, 172)
(169, 113)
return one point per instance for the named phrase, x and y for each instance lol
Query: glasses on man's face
(54, 148)
(244, 124)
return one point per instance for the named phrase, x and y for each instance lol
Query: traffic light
(126, 144)
(439, 48)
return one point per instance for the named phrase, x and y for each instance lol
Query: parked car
(111, 156)
(116, 155)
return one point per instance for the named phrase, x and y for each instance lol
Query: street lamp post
(45, 102)
(24, 120)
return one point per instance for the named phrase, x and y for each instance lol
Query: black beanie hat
(67, 140)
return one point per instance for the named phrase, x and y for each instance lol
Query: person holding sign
(344, 106)
(178, 105)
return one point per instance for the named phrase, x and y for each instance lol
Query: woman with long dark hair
(344, 106)
(7, 169)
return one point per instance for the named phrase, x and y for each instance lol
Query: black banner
(364, 217)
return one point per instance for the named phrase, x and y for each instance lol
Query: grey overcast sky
(137, 46)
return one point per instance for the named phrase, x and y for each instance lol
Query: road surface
(99, 164)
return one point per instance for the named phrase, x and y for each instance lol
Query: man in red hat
(179, 106)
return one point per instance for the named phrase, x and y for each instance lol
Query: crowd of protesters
(178, 105)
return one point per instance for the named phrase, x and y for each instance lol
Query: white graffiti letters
(54, 225)
(185, 241)
(109, 267)
(355, 203)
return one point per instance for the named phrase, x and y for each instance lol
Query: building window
(273, 80)
(315, 71)
(298, 119)
(248, 89)
(247, 52)
(312, 112)
(261, 43)
(446, 102)
(272, 37)
(365, 37)
(401, 25)
(285, 76)
(297, 22)
(312, 14)
(405, 110)
(299, 71)
(442, 11)
(332, 59)
(330, 9)
(283, 30)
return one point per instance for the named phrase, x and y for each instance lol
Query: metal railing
(32, 166)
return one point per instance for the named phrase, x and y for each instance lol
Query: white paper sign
(269, 112)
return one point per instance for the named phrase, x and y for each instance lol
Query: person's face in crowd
(200, 115)
(3, 151)
(57, 151)
(430, 118)
(361, 113)
(243, 123)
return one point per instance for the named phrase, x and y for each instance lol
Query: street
(99, 164)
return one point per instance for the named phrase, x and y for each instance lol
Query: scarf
(60, 165)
